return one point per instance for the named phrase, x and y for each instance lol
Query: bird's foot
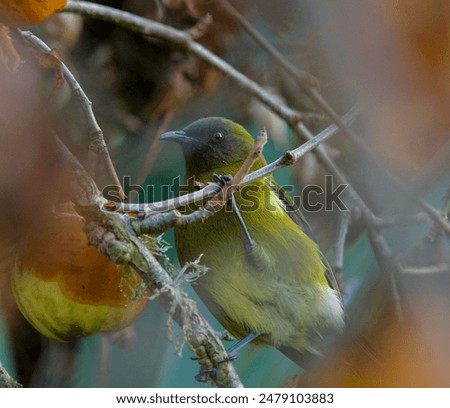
(205, 374)
(233, 351)
(198, 185)
(222, 179)
(232, 356)
(225, 335)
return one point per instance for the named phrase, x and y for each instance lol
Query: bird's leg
(232, 351)
(256, 254)
(232, 355)
(248, 240)
(222, 335)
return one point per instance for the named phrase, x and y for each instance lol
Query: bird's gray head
(211, 143)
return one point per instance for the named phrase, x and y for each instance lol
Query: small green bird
(268, 282)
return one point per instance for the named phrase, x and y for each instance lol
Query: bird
(267, 281)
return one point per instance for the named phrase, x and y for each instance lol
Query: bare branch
(279, 58)
(401, 219)
(387, 265)
(309, 83)
(310, 86)
(341, 236)
(200, 336)
(97, 146)
(437, 216)
(289, 158)
(167, 220)
(184, 40)
(425, 270)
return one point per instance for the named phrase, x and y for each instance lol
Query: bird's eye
(218, 137)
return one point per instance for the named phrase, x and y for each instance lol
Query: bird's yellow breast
(286, 299)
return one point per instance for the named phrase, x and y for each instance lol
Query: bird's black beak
(178, 136)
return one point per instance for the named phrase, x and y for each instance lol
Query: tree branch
(97, 144)
(387, 265)
(299, 75)
(341, 236)
(288, 158)
(425, 270)
(309, 83)
(184, 40)
(437, 216)
(310, 86)
(400, 219)
(166, 220)
(113, 234)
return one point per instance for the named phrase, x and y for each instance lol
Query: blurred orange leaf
(9, 57)
(19, 13)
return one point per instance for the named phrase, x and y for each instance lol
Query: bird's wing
(296, 215)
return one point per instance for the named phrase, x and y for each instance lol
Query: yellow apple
(67, 289)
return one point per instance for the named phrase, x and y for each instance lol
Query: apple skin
(18, 13)
(67, 289)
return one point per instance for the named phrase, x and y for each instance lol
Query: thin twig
(97, 144)
(309, 83)
(298, 74)
(341, 236)
(400, 219)
(437, 216)
(200, 336)
(183, 40)
(310, 86)
(166, 220)
(217, 202)
(102, 376)
(387, 265)
(425, 270)
(288, 158)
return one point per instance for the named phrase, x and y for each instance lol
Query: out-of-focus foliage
(25, 12)
(389, 56)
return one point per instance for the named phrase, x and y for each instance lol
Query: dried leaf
(9, 57)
